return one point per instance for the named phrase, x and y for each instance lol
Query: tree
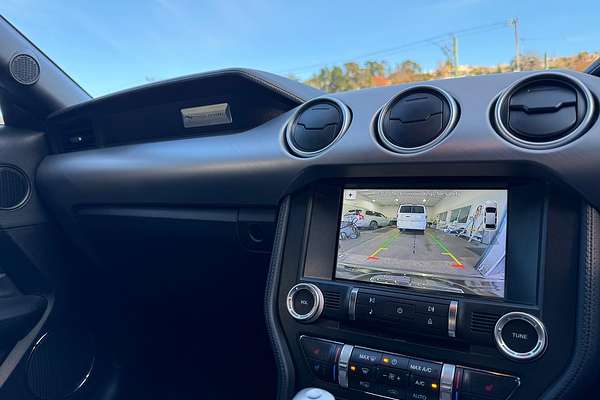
(406, 71)
(352, 76)
(529, 62)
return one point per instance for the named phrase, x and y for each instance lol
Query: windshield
(335, 45)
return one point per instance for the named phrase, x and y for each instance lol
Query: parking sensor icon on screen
(350, 194)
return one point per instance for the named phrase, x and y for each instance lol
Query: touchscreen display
(444, 240)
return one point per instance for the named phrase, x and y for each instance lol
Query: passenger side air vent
(416, 119)
(316, 126)
(483, 322)
(545, 110)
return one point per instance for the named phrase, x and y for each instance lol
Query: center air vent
(416, 119)
(544, 111)
(316, 126)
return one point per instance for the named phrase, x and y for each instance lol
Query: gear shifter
(313, 394)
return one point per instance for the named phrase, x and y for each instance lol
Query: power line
(515, 24)
(406, 46)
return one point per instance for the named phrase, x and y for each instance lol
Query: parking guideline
(447, 251)
(384, 246)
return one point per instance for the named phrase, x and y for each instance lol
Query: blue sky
(110, 45)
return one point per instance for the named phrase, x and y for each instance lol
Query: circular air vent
(316, 126)
(543, 111)
(24, 69)
(416, 119)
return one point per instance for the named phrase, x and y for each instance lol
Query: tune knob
(520, 336)
(305, 302)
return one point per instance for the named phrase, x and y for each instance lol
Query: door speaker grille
(14, 188)
(60, 364)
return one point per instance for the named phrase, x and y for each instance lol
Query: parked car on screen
(366, 219)
(411, 216)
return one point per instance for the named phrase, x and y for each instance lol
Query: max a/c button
(424, 368)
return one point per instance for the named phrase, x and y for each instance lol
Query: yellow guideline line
(384, 245)
(452, 256)
(446, 252)
(374, 255)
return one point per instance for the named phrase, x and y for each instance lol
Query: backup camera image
(444, 240)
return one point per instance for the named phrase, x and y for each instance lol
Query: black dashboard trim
(234, 165)
(293, 90)
(285, 366)
(585, 362)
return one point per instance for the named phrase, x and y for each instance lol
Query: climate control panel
(397, 376)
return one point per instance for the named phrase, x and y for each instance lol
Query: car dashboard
(276, 166)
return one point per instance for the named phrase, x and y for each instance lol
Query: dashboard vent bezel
(452, 120)
(505, 96)
(346, 119)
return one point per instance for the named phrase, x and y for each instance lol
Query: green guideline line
(445, 249)
(439, 242)
(383, 246)
(390, 239)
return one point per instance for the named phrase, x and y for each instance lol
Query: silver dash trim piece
(447, 381)
(452, 316)
(343, 365)
(213, 114)
(352, 304)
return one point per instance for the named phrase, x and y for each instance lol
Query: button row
(418, 367)
(400, 377)
(392, 375)
(408, 314)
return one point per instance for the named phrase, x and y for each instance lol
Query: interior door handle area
(18, 316)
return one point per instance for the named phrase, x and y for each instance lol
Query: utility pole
(455, 54)
(515, 24)
(546, 66)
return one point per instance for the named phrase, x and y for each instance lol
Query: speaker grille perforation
(24, 69)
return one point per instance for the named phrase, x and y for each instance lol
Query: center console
(457, 289)
(399, 376)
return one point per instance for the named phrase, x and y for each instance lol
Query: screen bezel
(427, 291)
(525, 241)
